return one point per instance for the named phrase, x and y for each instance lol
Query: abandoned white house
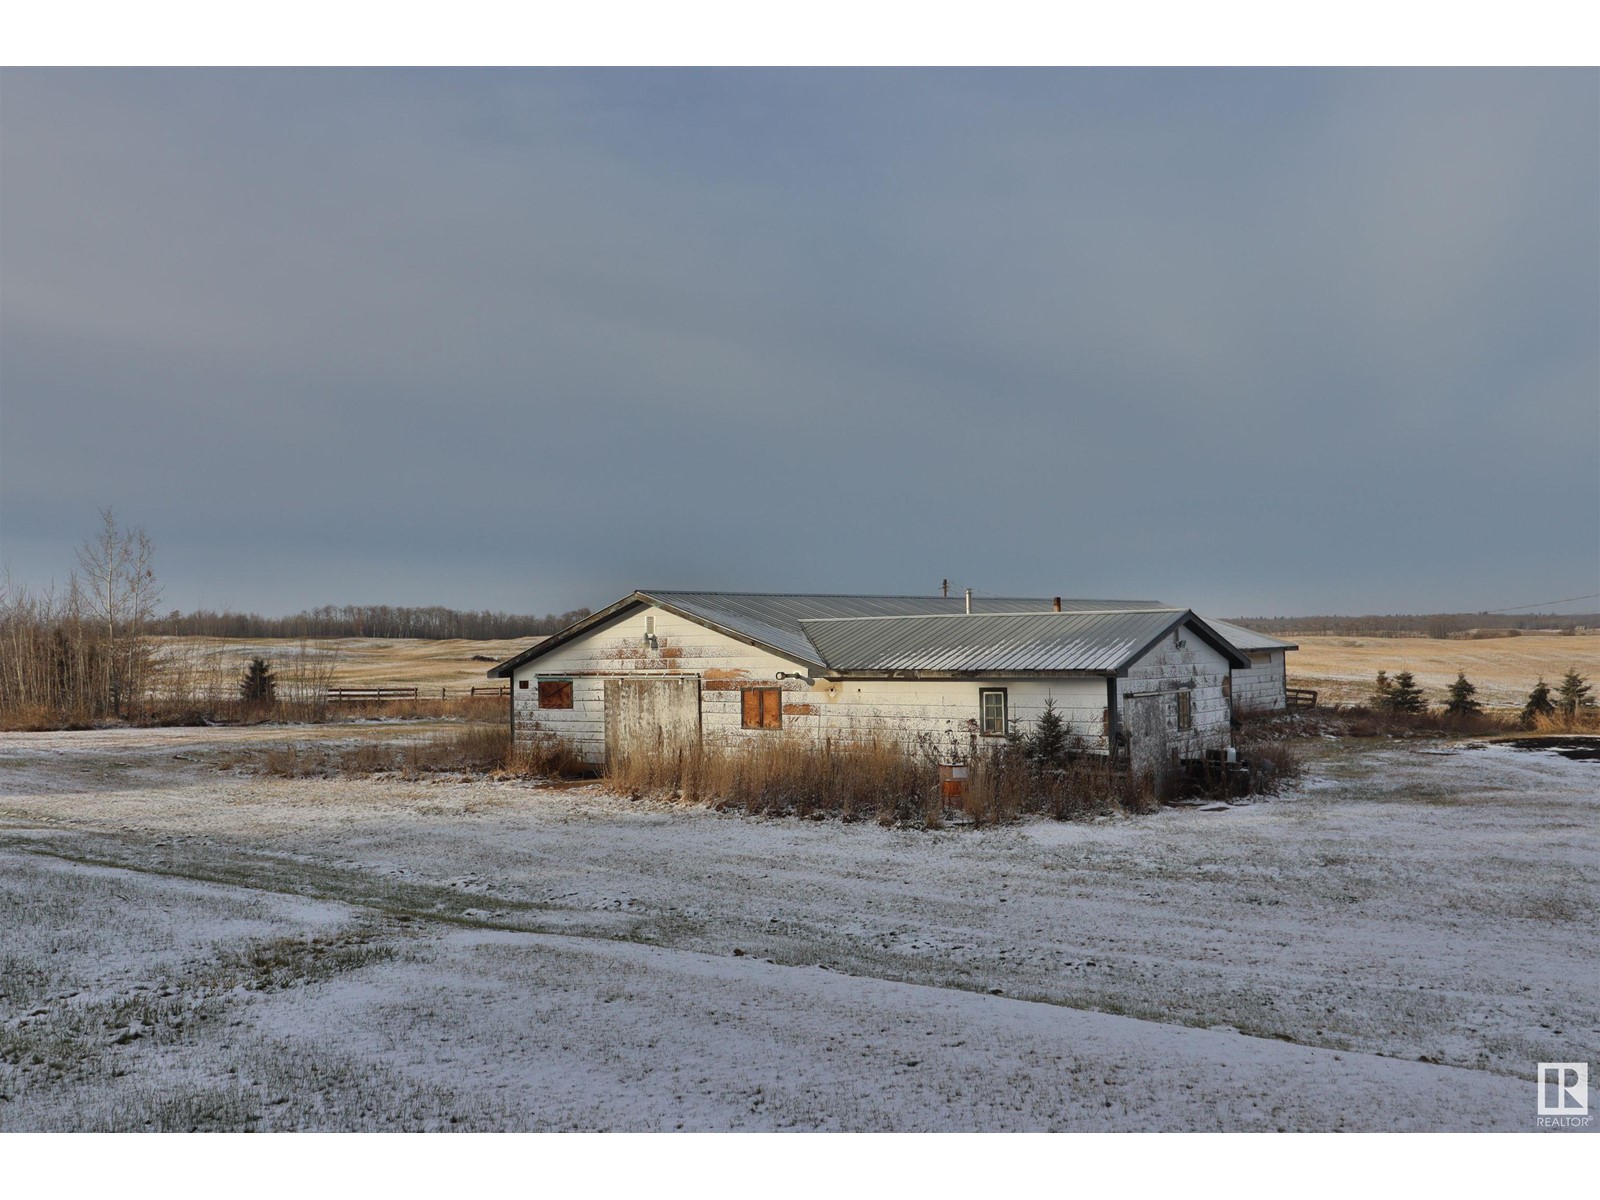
(662, 669)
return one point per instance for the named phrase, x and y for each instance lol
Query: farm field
(1394, 945)
(355, 662)
(1342, 669)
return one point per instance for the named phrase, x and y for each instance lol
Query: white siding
(900, 708)
(1261, 687)
(724, 665)
(1166, 669)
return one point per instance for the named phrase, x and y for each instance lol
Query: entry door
(652, 715)
(1145, 719)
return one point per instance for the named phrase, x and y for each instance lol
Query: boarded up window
(555, 693)
(523, 684)
(992, 712)
(762, 708)
(1185, 711)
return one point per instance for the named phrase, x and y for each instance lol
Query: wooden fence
(1300, 697)
(370, 695)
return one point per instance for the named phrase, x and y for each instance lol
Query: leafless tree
(119, 593)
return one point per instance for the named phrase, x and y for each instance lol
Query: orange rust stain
(726, 673)
(798, 710)
(721, 685)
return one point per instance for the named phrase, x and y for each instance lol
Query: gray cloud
(1259, 341)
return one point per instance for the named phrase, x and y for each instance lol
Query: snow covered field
(1393, 946)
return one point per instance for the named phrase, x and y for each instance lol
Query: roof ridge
(834, 595)
(1049, 612)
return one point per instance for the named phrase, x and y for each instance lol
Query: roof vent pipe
(1055, 605)
(969, 602)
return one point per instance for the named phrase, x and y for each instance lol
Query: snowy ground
(1394, 946)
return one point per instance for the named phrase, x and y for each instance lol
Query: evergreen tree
(1461, 702)
(1405, 696)
(1047, 745)
(259, 685)
(1382, 691)
(1573, 693)
(1539, 704)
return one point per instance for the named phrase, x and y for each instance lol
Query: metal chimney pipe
(1055, 604)
(969, 602)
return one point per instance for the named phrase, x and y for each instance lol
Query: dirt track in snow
(1393, 946)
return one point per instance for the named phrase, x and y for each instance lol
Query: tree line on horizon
(1434, 625)
(366, 620)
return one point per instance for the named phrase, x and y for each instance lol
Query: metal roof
(923, 633)
(1248, 639)
(992, 642)
(778, 619)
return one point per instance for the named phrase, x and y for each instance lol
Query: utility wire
(1543, 603)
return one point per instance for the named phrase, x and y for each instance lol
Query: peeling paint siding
(1262, 687)
(1195, 667)
(619, 648)
(903, 708)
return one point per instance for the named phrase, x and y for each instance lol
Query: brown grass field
(363, 662)
(1342, 669)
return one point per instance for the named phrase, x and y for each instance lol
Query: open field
(1504, 669)
(357, 662)
(1393, 946)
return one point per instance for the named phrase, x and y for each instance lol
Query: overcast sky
(1259, 342)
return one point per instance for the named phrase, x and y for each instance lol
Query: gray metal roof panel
(992, 642)
(1248, 639)
(776, 619)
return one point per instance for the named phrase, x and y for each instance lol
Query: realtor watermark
(1564, 1096)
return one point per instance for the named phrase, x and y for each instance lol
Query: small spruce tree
(1047, 745)
(1381, 691)
(1573, 693)
(1461, 702)
(259, 685)
(1539, 704)
(1405, 696)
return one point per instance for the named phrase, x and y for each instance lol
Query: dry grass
(474, 749)
(791, 775)
(879, 779)
(1504, 669)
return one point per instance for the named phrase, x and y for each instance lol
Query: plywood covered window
(762, 708)
(555, 693)
(992, 711)
(1185, 710)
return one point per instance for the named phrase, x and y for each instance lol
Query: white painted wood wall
(900, 708)
(1262, 688)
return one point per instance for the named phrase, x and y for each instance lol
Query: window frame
(555, 681)
(766, 697)
(1185, 698)
(1005, 711)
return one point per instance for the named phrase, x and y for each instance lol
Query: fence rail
(340, 694)
(1300, 697)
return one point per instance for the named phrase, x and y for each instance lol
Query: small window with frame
(761, 708)
(1185, 710)
(992, 712)
(555, 693)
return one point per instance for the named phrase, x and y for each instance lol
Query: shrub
(1539, 704)
(1461, 702)
(1573, 694)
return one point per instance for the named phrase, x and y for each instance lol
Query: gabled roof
(1249, 639)
(1098, 641)
(919, 634)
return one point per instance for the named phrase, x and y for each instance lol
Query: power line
(1543, 603)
